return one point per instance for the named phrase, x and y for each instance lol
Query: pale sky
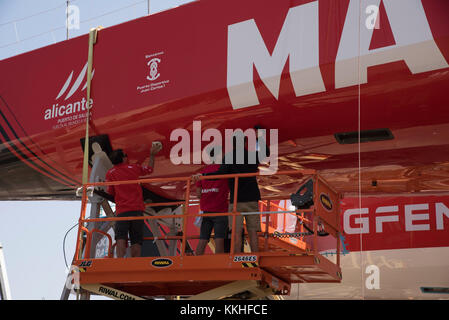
(32, 232)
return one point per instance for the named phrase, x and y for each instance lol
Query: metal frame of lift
(269, 272)
(5, 291)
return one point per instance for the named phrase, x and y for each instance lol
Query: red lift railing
(332, 223)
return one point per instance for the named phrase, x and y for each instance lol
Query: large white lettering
(298, 41)
(410, 217)
(414, 42)
(381, 219)
(364, 222)
(440, 210)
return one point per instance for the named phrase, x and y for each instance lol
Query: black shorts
(133, 227)
(219, 224)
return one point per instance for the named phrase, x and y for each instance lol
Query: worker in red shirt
(213, 196)
(129, 199)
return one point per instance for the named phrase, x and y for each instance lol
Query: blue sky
(32, 232)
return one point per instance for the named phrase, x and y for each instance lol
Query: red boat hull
(43, 96)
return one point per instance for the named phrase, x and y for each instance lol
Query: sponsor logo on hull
(70, 112)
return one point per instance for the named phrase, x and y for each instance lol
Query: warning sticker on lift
(245, 258)
(250, 264)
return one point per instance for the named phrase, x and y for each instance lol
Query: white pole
(4, 284)
(67, 19)
(17, 33)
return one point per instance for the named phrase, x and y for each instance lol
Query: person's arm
(223, 169)
(198, 189)
(151, 161)
(149, 166)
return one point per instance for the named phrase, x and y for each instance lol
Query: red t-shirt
(214, 193)
(128, 197)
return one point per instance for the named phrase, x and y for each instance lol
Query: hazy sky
(32, 232)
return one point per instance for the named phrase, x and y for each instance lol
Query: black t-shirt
(248, 189)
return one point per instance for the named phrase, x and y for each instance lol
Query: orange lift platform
(287, 254)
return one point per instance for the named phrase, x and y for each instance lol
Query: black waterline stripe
(6, 137)
(66, 178)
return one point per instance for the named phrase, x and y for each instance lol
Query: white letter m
(298, 41)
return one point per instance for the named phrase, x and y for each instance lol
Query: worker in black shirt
(248, 195)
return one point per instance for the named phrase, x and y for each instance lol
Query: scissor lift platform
(193, 275)
(283, 259)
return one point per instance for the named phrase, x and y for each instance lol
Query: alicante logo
(326, 202)
(161, 263)
(67, 106)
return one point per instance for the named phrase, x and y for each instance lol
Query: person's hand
(196, 177)
(155, 148)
